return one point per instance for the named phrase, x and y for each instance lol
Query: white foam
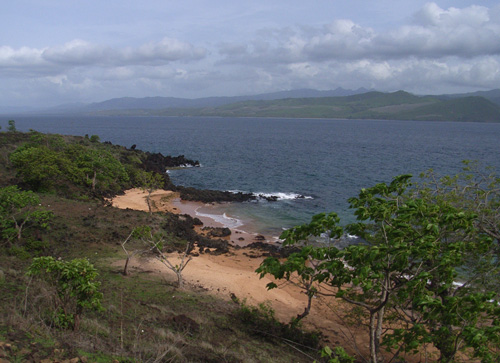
(282, 196)
(223, 219)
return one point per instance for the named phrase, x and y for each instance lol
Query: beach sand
(234, 273)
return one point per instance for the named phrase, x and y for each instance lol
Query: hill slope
(398, 105)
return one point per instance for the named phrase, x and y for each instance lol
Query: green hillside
(372, 105)
(53, 207)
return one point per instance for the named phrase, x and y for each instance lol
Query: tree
(19, 209)
(75, 287)
(150, 182)
(155, 242)
(40, 167)
(95, 138)
(413, 250)
(48, 161)
(143, 235)
(97, 166)
(477, 190)
(12, 126)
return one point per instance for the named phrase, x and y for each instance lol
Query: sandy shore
(169, 201)
(234, 273)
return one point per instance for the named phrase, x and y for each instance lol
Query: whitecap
(223, 219)
(282, 196)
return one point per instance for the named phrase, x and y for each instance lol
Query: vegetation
(424, 283)
(75, 288)
(417, 280)
(398, 105)
(155, 243)
(19, 210)
(49, 162)
(62, 309)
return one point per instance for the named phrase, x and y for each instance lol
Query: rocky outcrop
(182, 227)
(217, 232)
(212, 196)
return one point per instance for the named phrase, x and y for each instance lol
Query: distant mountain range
(158, 103)
(481, 106)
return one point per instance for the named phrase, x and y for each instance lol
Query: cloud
(439, 49)
(436, 50)
(80, 53)
(435, 33)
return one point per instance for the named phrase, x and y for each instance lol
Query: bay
(325, 161)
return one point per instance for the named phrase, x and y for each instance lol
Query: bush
(261, 321)
(74, 284)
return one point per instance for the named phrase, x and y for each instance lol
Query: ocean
(313, 165)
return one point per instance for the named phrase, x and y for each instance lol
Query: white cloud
(436, 33)
(433, 50)
(80, 53)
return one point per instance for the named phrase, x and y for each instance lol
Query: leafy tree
(40, 167)
(477, 190)
(19, 209)
(48, 161)
(75, 287)
(12, 126)
(97, 167)
(95, 138)
(413, 251)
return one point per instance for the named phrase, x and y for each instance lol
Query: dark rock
(217, 231)
(273, 249)
(221, 246)
(211, 196)
(269, 198)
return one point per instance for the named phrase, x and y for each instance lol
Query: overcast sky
(58, 51)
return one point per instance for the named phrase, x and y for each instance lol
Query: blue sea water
(326, 161)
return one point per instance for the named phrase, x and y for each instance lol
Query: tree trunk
(148, 199)
(373, 339)
(125, 272)
(94, 180)
(180, 282)
(307, 309)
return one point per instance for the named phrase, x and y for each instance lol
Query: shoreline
(169, 201)
(233, 274)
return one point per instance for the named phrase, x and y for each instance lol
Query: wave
(223, 219)
(275, 196)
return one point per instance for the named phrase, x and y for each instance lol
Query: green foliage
(40, 167)
(75, 286)
(18, 210)
(415, 249)
(48, 162)
(262, 322)
(19, 252)
(338, 355)
(95, 138)
(12, 126)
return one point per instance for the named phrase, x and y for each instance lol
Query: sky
(54, 52)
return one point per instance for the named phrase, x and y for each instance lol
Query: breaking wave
(223, 219)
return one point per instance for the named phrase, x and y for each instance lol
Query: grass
(145, 318)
